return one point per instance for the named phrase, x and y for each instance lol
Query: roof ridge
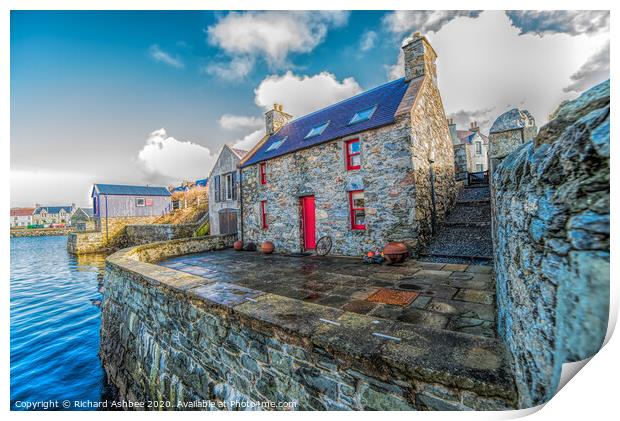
(344, 100)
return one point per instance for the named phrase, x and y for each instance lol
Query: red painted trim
(263, 213)
(352, 210)
(350, 155)
(263, 173)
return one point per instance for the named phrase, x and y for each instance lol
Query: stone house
(374, 168)
(509, 131)
(21, 217)
(83, 219)
(224, 192)
(47, 215)
(115, 206)
(470, 149)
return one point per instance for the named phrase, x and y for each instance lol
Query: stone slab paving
(457, 297)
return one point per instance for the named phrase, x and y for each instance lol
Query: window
(229, 187)
(363, 115)
(317, 130)
(140, 201)
(354, 159)
(263, 173)
(216, 185)
(479, 167)
(263, 214)
(234, 185)
(276, 144)
(358, 214)
(478, 148)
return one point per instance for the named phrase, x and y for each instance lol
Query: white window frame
(478, 146)
(138, 199)
(228, 186)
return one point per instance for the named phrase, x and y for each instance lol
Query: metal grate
(392, 296)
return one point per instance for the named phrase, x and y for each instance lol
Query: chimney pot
(276, 118)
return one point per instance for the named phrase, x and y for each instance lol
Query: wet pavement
(455, 297)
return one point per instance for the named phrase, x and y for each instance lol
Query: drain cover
(411, 287)
(392, 296)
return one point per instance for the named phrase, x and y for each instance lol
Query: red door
(307, 222)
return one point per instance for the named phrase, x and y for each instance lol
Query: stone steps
(465, 236)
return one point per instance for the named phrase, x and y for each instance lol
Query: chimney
(452, 128)
(473, 126)
(275, 119)
(419, 57)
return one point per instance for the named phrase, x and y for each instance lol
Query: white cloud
(368, 40)
(237, 68)
(402, 21)
(271, 35)
(486, 64)
(164, 159)
(572, 22)
(236, 122)
(301, 95)
(594, 70)
(160, 55)
(249, 141)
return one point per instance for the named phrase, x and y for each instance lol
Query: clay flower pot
(238, 245)
(267, 247)
(395, 252)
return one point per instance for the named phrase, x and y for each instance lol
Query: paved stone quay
(454, 297)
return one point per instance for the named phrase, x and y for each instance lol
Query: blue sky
(150, 96)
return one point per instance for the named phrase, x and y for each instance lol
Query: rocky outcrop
(551, 237)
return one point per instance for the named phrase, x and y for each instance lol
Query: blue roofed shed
(116, 200)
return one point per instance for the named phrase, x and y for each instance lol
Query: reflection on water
(55, 319)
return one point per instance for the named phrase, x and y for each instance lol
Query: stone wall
(551, 219)
(85, 242)
(41, 232)
(173, 337)
(395, 176)
(150, 233)
(432, 156)
(124, 232)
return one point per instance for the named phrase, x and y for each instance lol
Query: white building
(21, 217)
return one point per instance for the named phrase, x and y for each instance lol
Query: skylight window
(363, 115)
(317, 130)
(276, 144)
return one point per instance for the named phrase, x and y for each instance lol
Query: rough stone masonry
(551, 220)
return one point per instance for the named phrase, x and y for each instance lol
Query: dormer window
(317, 130)
(276, 144)
(363, 115)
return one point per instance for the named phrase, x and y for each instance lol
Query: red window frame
(350, 155)
(263, 213)
(263, 173)
(352, 210)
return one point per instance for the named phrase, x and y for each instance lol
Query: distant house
(371, 169)
(470, 149)
(115, 206)
(47, 215)
(83, 219)
(224, 192)
(21, 217)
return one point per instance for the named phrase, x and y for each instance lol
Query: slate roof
(22, 211)
(386, 98)
(52, 209)
(466, 136)
(202, 182)
(239, 152)
(121, 190)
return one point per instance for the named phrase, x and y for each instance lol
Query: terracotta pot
(238, 245)
(267, 247)
(395, 252)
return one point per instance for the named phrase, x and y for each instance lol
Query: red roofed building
(21, 217)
